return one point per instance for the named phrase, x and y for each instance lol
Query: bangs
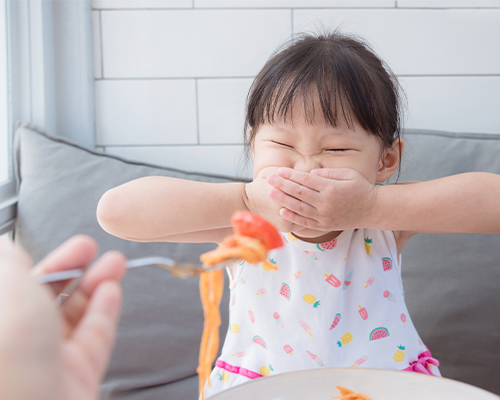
(304, 89)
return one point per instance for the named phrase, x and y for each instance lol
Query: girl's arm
(157, 208)
(463, 203)
(341, 198)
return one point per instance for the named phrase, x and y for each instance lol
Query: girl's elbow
(107, 213)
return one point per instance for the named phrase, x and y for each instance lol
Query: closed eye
(282, 144)
(338, 150)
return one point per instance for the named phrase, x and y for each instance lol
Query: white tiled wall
(171, 76)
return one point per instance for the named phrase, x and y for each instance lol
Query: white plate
(320, 384)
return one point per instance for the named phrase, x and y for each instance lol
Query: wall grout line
(283, 8)
(252, 77)
(101, 45)
(171, 145)
(300, 8)
(197, 111)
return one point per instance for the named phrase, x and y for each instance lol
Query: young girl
(323, 127)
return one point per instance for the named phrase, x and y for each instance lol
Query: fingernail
(281, 171)
(315, 171)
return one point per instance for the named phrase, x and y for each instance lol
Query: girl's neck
(319, 239)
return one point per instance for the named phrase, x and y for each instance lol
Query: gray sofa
(451, 281)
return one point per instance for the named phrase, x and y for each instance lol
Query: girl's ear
(252, 142)
(389, 162)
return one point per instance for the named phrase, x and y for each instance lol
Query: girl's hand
(258, 202)
(324, 199)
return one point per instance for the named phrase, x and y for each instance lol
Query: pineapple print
(310, 299)
(399, 355)
(368, 246)
(266, 370)
(345, 339)
(224, 377)
(234, 328)
(291, 238)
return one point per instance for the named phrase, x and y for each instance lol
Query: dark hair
(346, 74)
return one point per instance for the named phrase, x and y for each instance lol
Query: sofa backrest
(450, 281)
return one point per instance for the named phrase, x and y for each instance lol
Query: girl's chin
(315, 236)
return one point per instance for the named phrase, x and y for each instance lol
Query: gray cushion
(452, 281)
(60, 184)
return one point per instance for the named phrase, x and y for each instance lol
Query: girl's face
(304, 147)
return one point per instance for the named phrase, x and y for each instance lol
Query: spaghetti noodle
(346, 394)
(253, 238)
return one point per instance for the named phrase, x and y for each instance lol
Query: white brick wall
(171, 76)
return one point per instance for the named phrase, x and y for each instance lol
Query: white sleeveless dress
(334, 304)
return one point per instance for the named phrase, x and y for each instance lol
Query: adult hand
(50, 352)
(258, 192)
(324, 199)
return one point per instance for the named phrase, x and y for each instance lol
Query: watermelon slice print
(386, 263)
(285, 291)
(379, 333)
(257, 339)
(327, 245)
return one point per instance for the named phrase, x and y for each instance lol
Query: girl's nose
(307, 164)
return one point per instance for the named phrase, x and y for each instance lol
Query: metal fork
(179, 270)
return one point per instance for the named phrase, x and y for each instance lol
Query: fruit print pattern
(285, 291)
(368, 246)
(386, 263)
(310, 299)
(327, 245)
(269, 265)
(335, 321)
(347, 338)
(399, 355)
(338, 299)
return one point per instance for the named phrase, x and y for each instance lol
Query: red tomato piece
(247, 224)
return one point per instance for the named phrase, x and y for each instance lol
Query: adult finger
(109, 267)
(13, 257)
(95, 335)
(76, 252)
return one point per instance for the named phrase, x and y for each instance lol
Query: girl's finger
(293, 189)
(292, 203)
(299, 219)
(302, 178)
(341, 174)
